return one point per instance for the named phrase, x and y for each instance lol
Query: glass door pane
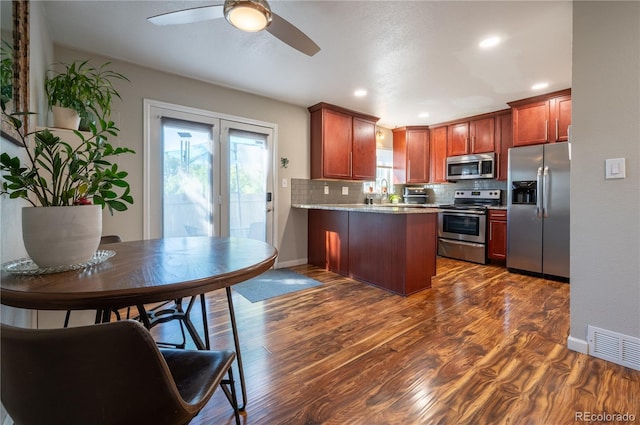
(187, 195)
(248, 171)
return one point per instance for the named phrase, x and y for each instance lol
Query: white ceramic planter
(65, 118)
(61, 236)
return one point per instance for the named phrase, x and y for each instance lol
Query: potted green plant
(83, 88)
(394, 199)
(75, 180)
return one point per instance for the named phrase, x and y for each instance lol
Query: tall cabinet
(438, 157)
(343, 143)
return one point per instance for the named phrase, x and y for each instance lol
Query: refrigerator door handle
(539, 198)
(545, 192)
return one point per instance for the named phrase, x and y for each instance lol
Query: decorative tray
(25, 266)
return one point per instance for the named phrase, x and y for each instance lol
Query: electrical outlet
(345, 190)
(326, 190)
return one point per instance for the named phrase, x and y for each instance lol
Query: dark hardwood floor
(482, 346)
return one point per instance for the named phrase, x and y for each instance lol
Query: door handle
(545, 192)
(538, 197)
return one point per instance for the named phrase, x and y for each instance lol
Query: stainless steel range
(462, 225)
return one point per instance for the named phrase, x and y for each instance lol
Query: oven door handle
(538, 197)
(460, 213)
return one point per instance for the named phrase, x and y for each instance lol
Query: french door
(250, 182)
(206, 175)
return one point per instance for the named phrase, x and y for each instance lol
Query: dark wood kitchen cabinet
(343, 143)
(328, 240)
(458, 143)
(411, 155)
(542, 119)
(504, 141)
(497, 249)
(482, 135)
(438, 154)
(474, 136)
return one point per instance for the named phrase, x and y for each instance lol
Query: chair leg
(229, 388)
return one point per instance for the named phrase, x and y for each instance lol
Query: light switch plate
(615, 168)
(284, 182)
(326, 190)
(345, 190)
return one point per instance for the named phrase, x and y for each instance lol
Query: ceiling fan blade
(289, 34)
(188, 16)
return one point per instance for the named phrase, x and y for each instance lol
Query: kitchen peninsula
(392, 247)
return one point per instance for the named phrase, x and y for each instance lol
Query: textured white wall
(605, 214)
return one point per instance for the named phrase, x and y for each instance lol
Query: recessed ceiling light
(360, 93)
(539, 86)
(423, 115)
(490, 42)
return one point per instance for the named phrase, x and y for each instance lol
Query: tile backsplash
(304, 191)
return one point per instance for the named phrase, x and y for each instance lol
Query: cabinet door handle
(557, 133)
(408, 170)
(546, 130)
(490, 231)
(466, 144)
(350, 163)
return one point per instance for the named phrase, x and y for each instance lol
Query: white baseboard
(579, 345)
(291, 263)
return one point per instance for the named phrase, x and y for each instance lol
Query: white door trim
(148, 104)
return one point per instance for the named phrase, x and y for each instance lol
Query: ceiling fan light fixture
(248, 15)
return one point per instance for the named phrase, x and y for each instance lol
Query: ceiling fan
(246, 15)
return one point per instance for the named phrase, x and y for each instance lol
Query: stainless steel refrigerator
(538, 209)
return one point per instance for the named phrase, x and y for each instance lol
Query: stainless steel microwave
(466, 167)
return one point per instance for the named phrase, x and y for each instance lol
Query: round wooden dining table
(147, 271)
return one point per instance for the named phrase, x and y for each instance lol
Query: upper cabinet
(438, 154)
(562, 107)
(458, 139)
(482, 134)
(542, 119)
(468, 137)
(411, 155)
(343, 143)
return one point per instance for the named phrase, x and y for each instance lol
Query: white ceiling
(411, 56)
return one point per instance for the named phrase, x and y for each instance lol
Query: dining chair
(106, 374)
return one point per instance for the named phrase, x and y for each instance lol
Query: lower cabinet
(497, 235)
(396, 252)
(328, 240)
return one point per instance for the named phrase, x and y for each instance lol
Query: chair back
(111, 374)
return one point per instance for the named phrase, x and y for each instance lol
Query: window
(384, 173)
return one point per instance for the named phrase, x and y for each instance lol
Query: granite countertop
(375, 208)
(498, 207)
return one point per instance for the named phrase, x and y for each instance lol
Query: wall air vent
(614, 347)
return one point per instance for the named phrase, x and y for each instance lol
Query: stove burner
(474, 200)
